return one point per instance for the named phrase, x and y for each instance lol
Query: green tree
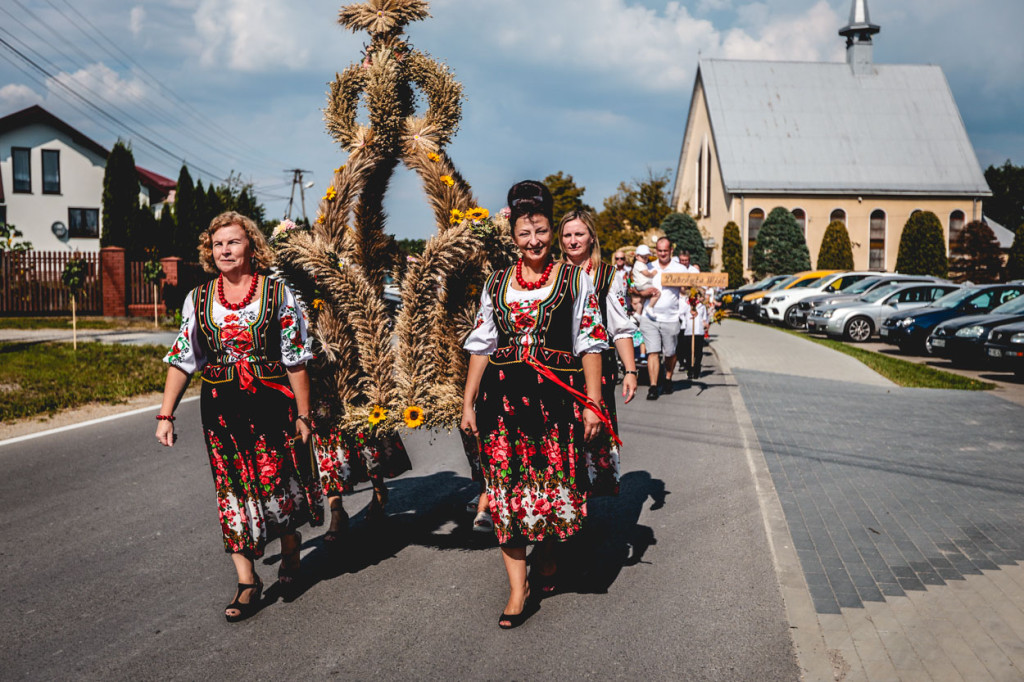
(9, 236)
(636, 206)
(976, 254)
(781, 248)
(186, 234)
(1015, 263)
(682, 231)
(567, 195)
(145, 232)
(165, 232)
(214, 205)
(732, 254)
(922, 247)
(836, 252)
(412, 247)
(120, 198)
(1006, 206)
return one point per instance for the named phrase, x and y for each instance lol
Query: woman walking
(532, 393)
(246, 334)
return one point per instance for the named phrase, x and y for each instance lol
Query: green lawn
(83, 323)
(38, 378)
(902, 372)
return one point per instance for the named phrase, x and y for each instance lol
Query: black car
(962, 339)
(731, 298)
(752, 309)
(1005, 349)
(910, 331)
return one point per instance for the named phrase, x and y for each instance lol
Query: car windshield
(880, 292)
(783, 283)
(862, 286)
(1014, 307)
(762, 284)
(803, 284)
(953, 299)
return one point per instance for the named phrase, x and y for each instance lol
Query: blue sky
(595, 88)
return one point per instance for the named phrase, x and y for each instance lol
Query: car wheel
(858, 329)
(790, 317)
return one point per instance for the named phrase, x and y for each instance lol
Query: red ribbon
(247, 379)
(581, 398)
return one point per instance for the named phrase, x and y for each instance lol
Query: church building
(865, 143)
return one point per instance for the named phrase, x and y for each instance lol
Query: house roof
(813, 127)
(155, 180)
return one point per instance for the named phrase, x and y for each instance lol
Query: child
(643, 280)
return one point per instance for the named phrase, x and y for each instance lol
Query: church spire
(858, 38)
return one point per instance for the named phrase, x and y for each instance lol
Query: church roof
(813, 127)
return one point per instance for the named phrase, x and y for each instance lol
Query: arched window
(754, 221)
(838, 214)
(956, 225)
(876, 254)
(801, 219)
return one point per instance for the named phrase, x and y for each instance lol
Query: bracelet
(633, 372)
(305, 420)
(165, 417)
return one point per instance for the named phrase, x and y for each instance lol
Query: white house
(51, 179)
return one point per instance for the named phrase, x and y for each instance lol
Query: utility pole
(297, 174)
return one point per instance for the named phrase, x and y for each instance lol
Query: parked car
(962, 339)
(858, 289)
(1005, 349)
(749, 306)
(782, 307)
(798, 281)
(730, 298)
(910, 332)
(858, 320)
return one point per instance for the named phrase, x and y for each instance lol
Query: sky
(598, 89)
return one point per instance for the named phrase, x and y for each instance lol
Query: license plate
(939, 343)
(995, 352)
(883, 332)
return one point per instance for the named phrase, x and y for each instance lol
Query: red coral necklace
(590, 266)
(530, 286)
(241, 304)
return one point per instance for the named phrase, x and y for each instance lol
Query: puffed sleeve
(186, 354)
(483, 340)
(588, 327)
(294, 331)
(619, 324)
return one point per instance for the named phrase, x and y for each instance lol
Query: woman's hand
(302, 430)
(165, 432)
(468, 423)
(591, 425)
(628, 387)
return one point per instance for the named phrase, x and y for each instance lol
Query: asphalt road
(114, 568)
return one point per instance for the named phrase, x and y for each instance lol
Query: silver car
(859, 319)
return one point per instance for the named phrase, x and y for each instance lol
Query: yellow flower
(318, 303)
(331, 193)
(478, 213)
(456, 216)
(377, 415)
(413, 416)
(434, 157)
(448, 180)
(320, 219)
(339, 169)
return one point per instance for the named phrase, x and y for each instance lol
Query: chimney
(858, 39)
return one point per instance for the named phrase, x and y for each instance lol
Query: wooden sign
(719, 280)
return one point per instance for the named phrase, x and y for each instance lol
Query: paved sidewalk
(133, 337)
(903, 509)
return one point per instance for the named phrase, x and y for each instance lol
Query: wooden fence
(30, 284)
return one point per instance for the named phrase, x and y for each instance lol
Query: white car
(781, 306)
(858, 320)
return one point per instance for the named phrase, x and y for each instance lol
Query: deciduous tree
(1015, 263)
(976, 257)
(1006, 205)
(567, 195)
(781, 248)
(922, 247)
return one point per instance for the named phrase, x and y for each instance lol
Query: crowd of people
(539, 402)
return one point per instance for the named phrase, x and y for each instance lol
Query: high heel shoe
(508, 622)
(333, 538)
(245, 609)
(288, 576)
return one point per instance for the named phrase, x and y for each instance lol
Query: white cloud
(15, 96)
(808, 37)
(255, 35)
(135, 19)
(99, 79)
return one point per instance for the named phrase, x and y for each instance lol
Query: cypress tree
(166, 231)
(215, 205)
(977, 257)
(922, 247)
(836, 252)
(781, 248)
(682, 231)
(145, 240)
(732, 254)
(185, 233)
(202, 219)
(120, 197)
(1015, 263)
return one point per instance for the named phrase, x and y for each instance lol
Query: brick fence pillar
(113, 271)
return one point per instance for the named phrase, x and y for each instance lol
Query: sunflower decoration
(413, 416)
(448, 180)
(478, 213)
(434, 157)
(377, 415)
(331, 193)
(456, 216)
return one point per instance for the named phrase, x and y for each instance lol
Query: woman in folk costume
(580, 247)
(532, 395)
(246, 334)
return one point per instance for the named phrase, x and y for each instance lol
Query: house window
(801, 219)
(51, 171)
(754, 221)
(22, 171)
(876, 254)
(84, 222)
(838, 214)
(956, 225)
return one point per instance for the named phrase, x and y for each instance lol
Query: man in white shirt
(660, 323)
(684, 260)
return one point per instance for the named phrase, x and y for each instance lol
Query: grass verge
(83, 323)
(902, 372)
(37, 378)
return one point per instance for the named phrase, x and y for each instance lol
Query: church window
(876, 253)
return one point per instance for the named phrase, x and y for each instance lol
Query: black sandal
(245, 609)
(529, 608)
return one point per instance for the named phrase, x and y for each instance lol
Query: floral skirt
(345, 461)
(531, 432)
(602, 454)
(266, 487)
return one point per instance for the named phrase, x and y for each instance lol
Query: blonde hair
(262, 254)
(588, 220)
